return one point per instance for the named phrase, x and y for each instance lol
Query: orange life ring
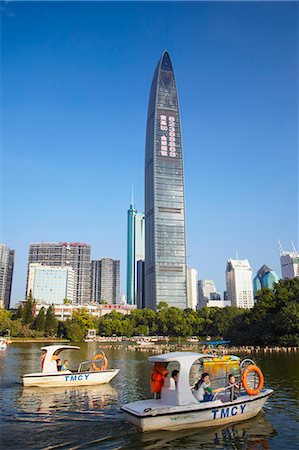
(100, 356)
(257, 370)
(157, 375)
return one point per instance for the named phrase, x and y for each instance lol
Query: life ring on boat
(157, 375)
(257, 370)
(98, 357)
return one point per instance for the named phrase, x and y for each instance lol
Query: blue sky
(75, 86)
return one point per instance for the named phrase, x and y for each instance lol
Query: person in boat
(233, 387)
(203, 391)
(65, 365)
(173, 380)
(59, 364)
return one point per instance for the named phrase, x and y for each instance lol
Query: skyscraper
(205, 288)
(192, 289)
(239, 283)
(135, 250)
(289, 262)
(105, 280)
(7, 257)
(165, 241)
(265, 278)
(74, 254)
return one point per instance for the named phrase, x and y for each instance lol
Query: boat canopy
(50, 351)
(215, 343)
(183, 394)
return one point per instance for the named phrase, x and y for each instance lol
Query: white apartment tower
(239, 283)
(192, 279)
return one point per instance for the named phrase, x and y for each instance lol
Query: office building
(73, 254)
(105, 281)
(239, 283)
(51, 284)
(192, 289)
(165, 241)
(140, 292)
(209, 296)
(265, 278)
(289, 262)
(7, 257)
(135, 250)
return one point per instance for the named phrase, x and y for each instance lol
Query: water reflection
(250, 435)
(47, 400)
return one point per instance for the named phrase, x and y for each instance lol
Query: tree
(73, 331)
(28, 310)
(40, 321)
(51, 323)
(66, 301)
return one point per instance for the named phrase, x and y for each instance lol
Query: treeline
(272, 321)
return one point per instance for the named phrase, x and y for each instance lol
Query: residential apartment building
(105, 280)
(7, 257)
(73, 254)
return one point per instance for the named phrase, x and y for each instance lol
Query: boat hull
(205, 415)
(69, 378)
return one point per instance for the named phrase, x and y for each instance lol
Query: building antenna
(281, 250)
(293, 247)
(132, 196)
(237, 256)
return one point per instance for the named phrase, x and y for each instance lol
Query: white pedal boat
(178, 408)
(88, 373)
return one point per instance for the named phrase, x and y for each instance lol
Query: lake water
(90, 417)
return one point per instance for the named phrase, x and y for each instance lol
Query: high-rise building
(239, 283)
(7, 257)
(207, 292)
(165, 241)
(192, 289)
(289, 262)
(51, 284)
(140, 292)
(135, 250)
(105, 280)
(73, 254)
(265, 278)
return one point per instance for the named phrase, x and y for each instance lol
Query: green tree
(40, 321)
(51, 323)
(28, 310)
(74, 332)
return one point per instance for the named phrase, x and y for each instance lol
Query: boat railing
(246, 361)
(84, 363)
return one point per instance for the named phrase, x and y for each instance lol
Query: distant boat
(88, 372)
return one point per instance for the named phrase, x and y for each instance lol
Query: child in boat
(65, 365)
(203, 391)
(233, 387)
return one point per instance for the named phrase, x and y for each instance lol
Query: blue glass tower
(131, 255)
(265, 278)
(165, 241)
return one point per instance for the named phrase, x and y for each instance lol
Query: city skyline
(238, 118)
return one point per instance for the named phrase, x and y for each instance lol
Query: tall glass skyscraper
(165, 241)
(135, 250)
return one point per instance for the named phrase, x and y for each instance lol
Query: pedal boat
(178, 408)
(87, 374)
